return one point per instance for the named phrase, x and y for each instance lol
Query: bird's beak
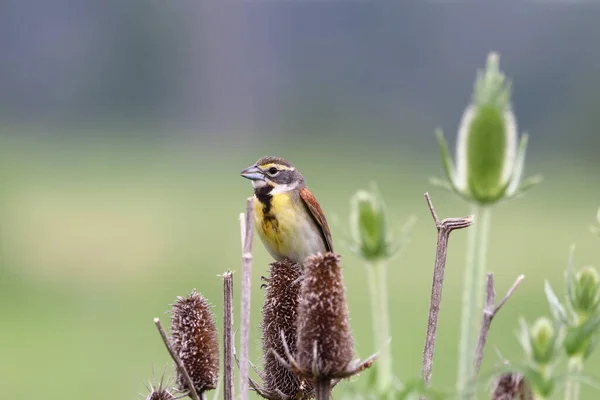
(253, 173)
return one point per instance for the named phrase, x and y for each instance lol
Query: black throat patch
(262, 194)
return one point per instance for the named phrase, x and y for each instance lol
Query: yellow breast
(287, 229)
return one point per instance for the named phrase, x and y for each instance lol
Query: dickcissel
(288, 218)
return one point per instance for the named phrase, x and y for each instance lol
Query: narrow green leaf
(569, 280)
(523, 337)
(518, 166)
(558, 311)
(446, 158)
(591, 346)
(441, 183)
(590, 326)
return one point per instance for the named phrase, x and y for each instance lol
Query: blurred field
(99, 236)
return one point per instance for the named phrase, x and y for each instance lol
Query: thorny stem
(572, 389)
(247, 229)
(186, 376)
(228, 336)
(473, 296)
(489, 312)
(444, 229)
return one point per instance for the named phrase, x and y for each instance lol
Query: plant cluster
(307, 344)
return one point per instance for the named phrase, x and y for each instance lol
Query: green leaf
(580, 338)
(518, 166)
(569, 280)
(523, 337)
(558, 311)
(403, 238)
(591, 346)
(591, 325)
(446, 158)
(435, 181)
(527, 184)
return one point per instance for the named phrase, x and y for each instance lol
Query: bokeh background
(124, 125)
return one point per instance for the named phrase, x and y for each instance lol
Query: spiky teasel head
(159, 392)
(194, 339)
(324, 345)
(511, 386)
(323, 317)
(279, 315)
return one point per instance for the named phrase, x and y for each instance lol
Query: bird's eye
(273, 171)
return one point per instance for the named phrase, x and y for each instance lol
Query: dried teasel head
(324, 341)
(511, 386)
(324, 345)
(279, 315)
(194, 339)
(159, 392)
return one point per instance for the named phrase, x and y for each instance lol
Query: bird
(287, 216)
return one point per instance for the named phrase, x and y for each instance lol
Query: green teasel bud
(539, 341)
(586, 294)
(542, 340)
(368, 225)
(489, 155)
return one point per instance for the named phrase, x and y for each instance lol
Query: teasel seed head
(279, 314)
(511, 386)
(323, 329)
(159, 392)
(194, 338)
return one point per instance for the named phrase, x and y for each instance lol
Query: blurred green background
(123, 129)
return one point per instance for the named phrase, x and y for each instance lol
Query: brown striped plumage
(288, 217)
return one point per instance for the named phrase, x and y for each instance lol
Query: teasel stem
(473, 297)
(377, 275)
(575, 366)
(247, 229)
(192, 391)
(444, 229)
(322, 389)
(228, 386)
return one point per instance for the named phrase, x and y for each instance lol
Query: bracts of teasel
(324, 344)
(279, 317)
(195, 341)
(159, 392)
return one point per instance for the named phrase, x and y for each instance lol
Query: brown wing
(317, 213)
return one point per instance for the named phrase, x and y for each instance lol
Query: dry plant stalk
(444, 229)
(247, 229)
(194, 337)
(228, 385)
(489, 312)
(324, 340)
(193, 394)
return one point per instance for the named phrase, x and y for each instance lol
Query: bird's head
(273, 175)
